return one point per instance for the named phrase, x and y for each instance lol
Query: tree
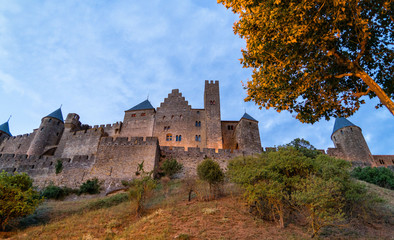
(17, 197)
(209, 171)
(140, 188)
(171, 167)
(317, 58)
(277, 183)
(304, 147)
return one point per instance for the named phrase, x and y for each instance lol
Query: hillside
(171, 216)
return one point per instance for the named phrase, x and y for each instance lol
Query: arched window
(196, 138)
(169, 137)
(199, 138)
(180, 137)
(176, 138)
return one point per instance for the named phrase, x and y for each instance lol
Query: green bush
(140, 189)
(380, 176)
(171, 167)
(55, 192)
(293, 180)
(59, 166)
(209, 171)
(17, 197)
(90, 186)
(109, 201)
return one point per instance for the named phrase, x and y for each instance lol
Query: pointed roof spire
(247, 116)
(5, 128)
(142, 106)
(341, 123)
(57, 114)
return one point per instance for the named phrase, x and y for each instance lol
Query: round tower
(349, 140)
(48, 134)
(4, 131)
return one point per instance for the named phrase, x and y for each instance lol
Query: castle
(112, 152)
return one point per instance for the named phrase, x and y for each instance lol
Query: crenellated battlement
(110, 141)
(212, 82)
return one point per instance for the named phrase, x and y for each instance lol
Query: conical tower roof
(341, 123)
(145, 105)
(5, 128)
(247, 116)
(57, 114)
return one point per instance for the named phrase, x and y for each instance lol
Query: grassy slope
(170, 216)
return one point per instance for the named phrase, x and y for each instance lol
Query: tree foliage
(209, 171)
(289, 180)
(140, 189)
(171, 167)
(17, 197)
(317, 58)
(381, 176)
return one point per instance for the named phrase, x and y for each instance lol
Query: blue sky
(99, 58)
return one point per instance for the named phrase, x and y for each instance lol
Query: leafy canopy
(291, 181)
(317, 58)
(17, 197)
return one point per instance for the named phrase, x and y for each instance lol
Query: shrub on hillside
(140, 189)
(171, 167)
(91, 186)
(381, 176)
(291, 180)
(59, 166)
(55, 192)
(209, 171)
(17, 197)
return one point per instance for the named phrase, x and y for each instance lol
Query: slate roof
(5, 128)
(142, 106)
(57, 114)
(341, 123)
(247, 116)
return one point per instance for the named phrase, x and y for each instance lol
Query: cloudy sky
(99, 58)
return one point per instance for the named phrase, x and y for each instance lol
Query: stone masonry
(112, 152)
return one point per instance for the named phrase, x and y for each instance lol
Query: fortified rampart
(112, 152)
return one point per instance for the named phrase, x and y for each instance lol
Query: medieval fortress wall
(112, 152)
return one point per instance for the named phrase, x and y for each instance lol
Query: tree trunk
(384, 99)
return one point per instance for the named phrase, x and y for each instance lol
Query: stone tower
(247, 135)
(4, 131)
(212, 115)
(72, 122)
(350, 143)
(48, 134)
(139, 120)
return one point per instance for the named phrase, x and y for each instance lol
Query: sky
(100, 58)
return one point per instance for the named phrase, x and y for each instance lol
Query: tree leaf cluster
(381, 176)
(317, 58)
(280, 184)
(18, 198)
(171, 167)
(140, 188)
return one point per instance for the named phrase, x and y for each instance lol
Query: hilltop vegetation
(293, 193)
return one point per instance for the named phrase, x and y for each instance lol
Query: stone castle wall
(17, 144)
(191, 157)
(116, 160)
(84, 142)
(383, 160)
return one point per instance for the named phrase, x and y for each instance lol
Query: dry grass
(171, 216)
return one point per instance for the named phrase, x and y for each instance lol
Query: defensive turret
(349, 140)
(48, 134)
